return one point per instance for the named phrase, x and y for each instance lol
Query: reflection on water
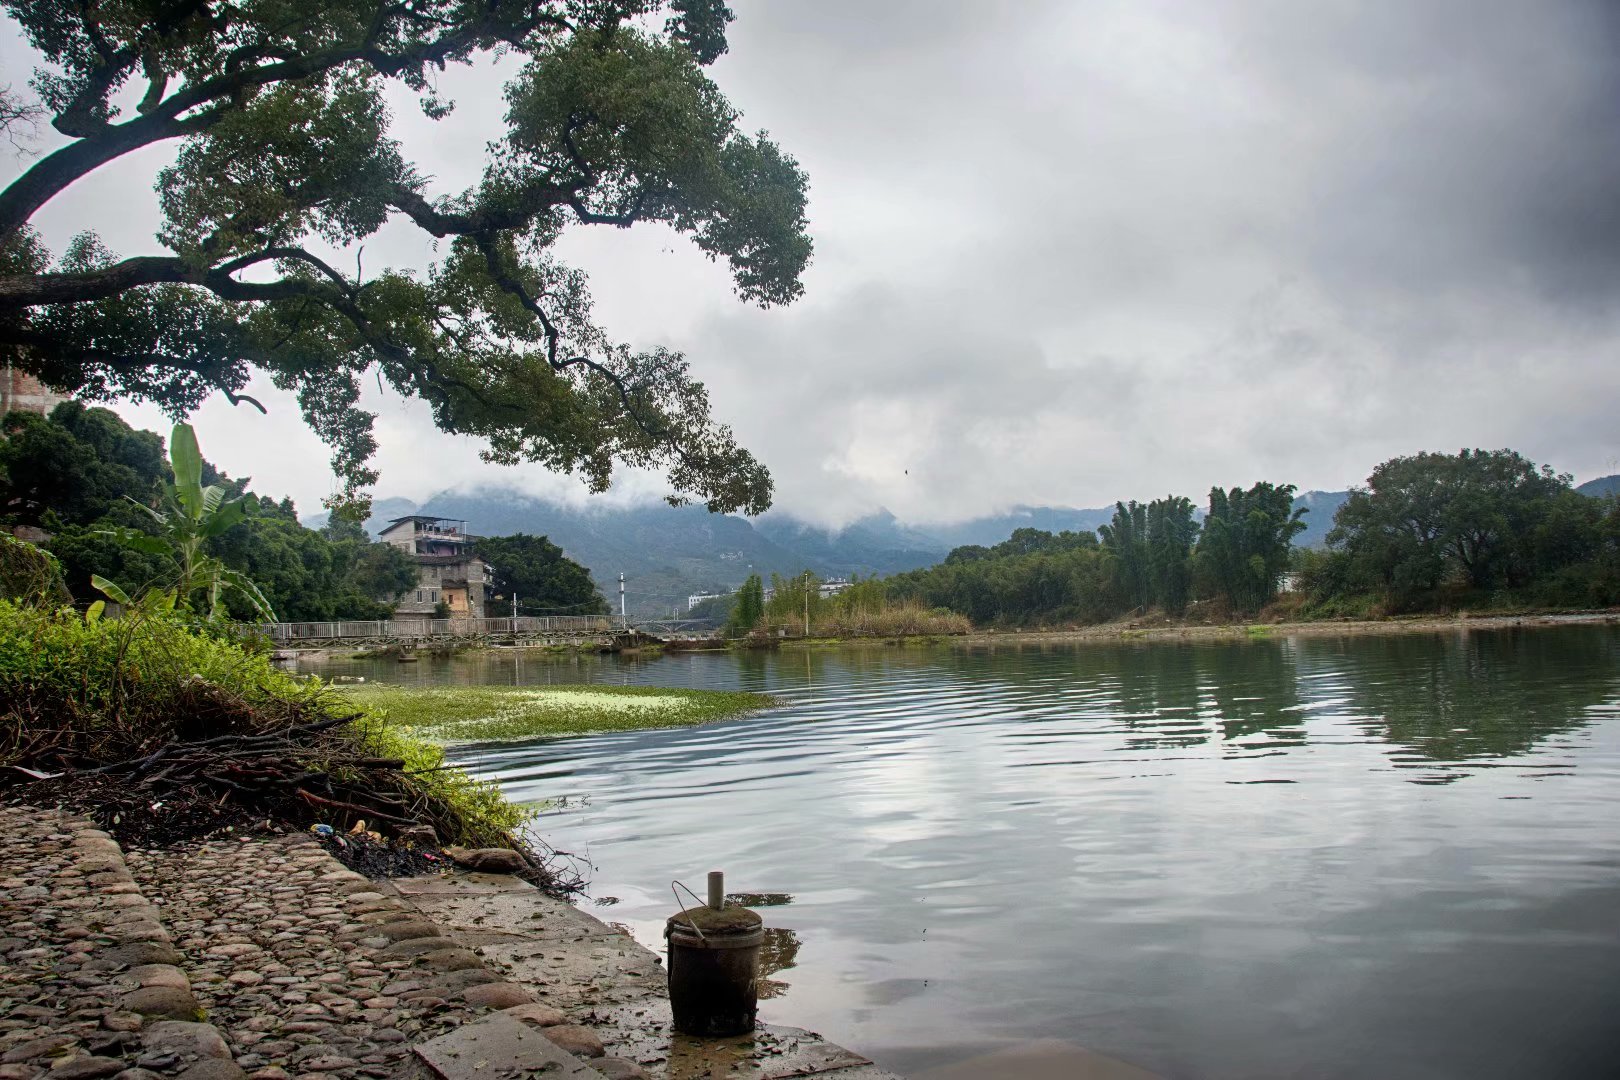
(781, 949)
(1393, 856)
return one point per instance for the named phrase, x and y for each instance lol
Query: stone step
(91, 984)
(311, 969)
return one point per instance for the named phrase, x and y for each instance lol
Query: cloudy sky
(1070, 252)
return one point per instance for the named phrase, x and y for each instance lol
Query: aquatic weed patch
(457, 714)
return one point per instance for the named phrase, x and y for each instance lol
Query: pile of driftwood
(269, 770)
(217, 761)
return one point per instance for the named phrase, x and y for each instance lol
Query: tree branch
(516, 288)
(101, 143)
(19, 292)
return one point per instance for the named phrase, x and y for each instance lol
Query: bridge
(522, 630)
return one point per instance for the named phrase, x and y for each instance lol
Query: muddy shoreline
(1428, 624)
(1106, 632)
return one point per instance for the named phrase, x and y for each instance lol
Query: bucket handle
(673, 885)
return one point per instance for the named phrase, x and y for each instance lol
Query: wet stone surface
(298, 961)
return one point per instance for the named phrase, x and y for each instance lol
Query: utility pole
(622, 618)
(807, 603)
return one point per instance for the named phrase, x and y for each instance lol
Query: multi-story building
(451, 572)
(24, 393)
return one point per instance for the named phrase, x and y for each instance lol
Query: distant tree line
(82, 475)
(1433, 532)
(1152, 557)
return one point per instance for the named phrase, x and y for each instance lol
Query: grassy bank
(455, 714)
(162, 729)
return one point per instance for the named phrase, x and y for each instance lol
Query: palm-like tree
(187, 517)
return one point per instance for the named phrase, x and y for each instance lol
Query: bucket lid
(731, 919)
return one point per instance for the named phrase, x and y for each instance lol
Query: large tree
(545, 581)
(1469, 518)
(284, 162)
(1172, 529)
(76, 466)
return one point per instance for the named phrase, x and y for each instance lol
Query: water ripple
(1360, 856)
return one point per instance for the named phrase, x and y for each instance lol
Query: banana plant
(187, 517)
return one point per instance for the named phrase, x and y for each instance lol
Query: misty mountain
(989, 531)
(1602, 488)
(668, 553)
(876, 544)
(1322, 506)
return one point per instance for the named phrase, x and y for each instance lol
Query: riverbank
(262, 958)
(1423, 624)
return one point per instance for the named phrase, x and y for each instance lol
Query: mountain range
(1603, 487)
(669, 553)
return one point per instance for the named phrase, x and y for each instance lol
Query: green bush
(79, 692)
(29, 574)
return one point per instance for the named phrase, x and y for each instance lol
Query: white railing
(408, 628)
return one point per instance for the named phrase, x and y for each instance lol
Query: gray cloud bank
(1072, 252)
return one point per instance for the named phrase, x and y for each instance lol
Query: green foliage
(286, 149)
(117, 687)
(1435, 531)
(77, 466)
(749, 609)
(545, 580)
(1172, 530)
(1143, 562)
(29, 574)
(187, 517)
(449, 714)
(308, 575)
(1126, 540)
(84, 692)
(1245, 544)
(86, 478)
(1035, 578)
(795, 602)
(866, 609)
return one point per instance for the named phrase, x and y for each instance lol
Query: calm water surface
(1392, 856)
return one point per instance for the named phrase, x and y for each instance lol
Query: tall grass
(894, 619)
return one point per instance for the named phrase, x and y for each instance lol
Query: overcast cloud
(1069, 252)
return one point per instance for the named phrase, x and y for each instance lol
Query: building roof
(425, 517)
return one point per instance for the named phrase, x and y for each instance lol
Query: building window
(433, 595)
(418, 596)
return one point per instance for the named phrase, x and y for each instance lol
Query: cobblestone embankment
(90, 984)
(263, 957)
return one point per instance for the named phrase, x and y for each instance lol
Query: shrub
(30, 574)
(78, 693)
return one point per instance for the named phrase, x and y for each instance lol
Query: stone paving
(306, 969)
(262, 957)
(89, 981)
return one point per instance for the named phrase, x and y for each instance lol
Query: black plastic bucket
(714, 970)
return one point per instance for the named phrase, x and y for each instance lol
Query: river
(1391, 855)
